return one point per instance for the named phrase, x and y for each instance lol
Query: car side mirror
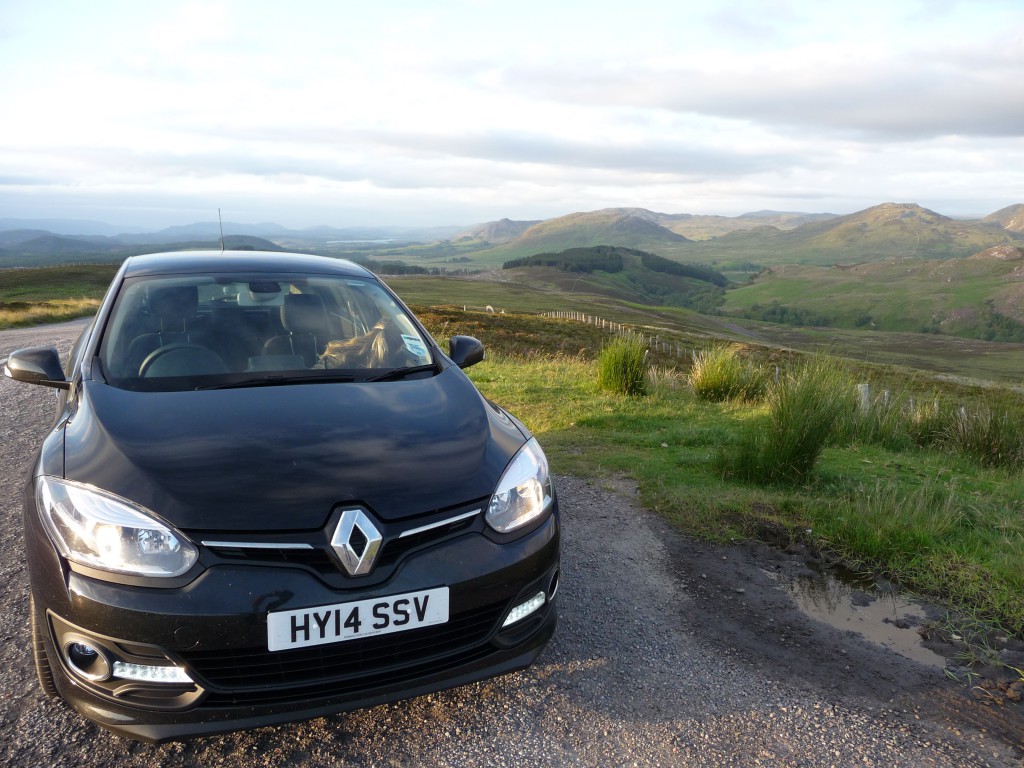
(37, 365)
(465, 351)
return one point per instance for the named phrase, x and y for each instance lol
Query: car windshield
(188, 332)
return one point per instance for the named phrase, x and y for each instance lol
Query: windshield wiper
(279, 379)
(401, 373)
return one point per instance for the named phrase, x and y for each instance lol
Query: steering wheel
(182, 358)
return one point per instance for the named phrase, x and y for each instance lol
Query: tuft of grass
(934, 539)
(883, 421)
(803, 409)
(622, 366)
(990, 436)
(719, 374)
(889, 521)
(927, 421)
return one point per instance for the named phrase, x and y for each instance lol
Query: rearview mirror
(465, 351)
(37, 365)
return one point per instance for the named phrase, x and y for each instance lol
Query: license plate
(361, 618)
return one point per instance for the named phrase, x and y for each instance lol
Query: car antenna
(219, 219)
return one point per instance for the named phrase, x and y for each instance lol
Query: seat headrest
(174, 303)
(303, 313)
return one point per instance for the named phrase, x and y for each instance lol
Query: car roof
(197, 262)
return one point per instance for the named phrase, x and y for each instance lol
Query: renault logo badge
(356, 542)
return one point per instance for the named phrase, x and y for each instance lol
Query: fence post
(865, 396)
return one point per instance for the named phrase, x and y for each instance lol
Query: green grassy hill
(705, 227)
(625, 274)
(979, 297)
(884, 232)
(584, 230)
(1011, 217)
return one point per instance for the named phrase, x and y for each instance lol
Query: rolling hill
(705, 227)
(887, 231)
(1010, 217)
(624, 274)
(495, 232)
(977, 297)
(47, 249)
(638, 228)
(584, 230)
(736, 245)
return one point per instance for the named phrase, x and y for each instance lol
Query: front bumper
(216, 630)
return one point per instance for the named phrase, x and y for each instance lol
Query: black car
(268, 495)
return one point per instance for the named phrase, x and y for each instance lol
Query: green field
(966, 360)
(33, 296)
(51, 294)
(545, 371)
(961, 297)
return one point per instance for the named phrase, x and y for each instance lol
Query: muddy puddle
(853, 603)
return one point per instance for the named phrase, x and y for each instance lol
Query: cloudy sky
(462, 111)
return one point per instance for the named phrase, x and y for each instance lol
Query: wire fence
(655, 342)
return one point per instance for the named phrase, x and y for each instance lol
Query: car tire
(44, 673)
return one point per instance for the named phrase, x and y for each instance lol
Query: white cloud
(455, 109)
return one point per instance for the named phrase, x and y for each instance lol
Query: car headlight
(101, 530)
(524, 491)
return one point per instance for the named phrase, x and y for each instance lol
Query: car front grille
(317, 559)
(256, 675)
(400, 540)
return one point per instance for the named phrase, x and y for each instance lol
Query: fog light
(523, 610)
(150, 674)
(87, 660)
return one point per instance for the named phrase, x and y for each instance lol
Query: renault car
(269, 495)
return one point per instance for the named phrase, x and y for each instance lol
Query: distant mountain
(785, 219)
(66, 226)
(203, 230)
(887, 231)
(48, 249)
(15, 236)
(882, 232)
(583, 230)
(734, 244)
(496, 232)
(46, 243)
(206, 230)
(1011, 218)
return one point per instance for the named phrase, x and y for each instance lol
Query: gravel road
(669, 652)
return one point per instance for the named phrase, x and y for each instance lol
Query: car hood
(282, 457)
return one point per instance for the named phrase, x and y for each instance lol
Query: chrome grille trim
(439, 524)
(255, 545)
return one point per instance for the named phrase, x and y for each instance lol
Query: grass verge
(936, 521)
(51, 294)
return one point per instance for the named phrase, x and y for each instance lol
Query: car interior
(205, 326)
